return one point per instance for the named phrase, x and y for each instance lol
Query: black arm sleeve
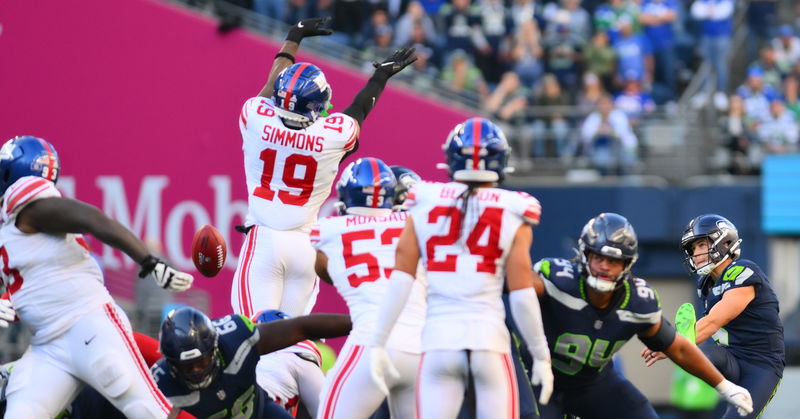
(365, 99)
(662, 339)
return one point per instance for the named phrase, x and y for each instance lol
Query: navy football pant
(761, 380)
(611, 396)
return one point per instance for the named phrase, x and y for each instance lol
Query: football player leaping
(356, 253)
(292, 150)
(80, 336)
(470, 235)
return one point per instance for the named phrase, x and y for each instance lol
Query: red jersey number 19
(290, 166)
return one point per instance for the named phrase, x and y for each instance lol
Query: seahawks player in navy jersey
(741, 311)
(209, 367)
(591, 307)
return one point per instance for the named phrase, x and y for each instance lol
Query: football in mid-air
(208, 251)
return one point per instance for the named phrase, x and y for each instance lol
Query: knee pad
(111, 379)
(139, 410)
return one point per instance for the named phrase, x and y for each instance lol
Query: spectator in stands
(348, 21)
(569, 13)
(608, 140)
(778, 134)
(633, 101)
(526, 53)
(523, 11)
(493, 39)
(601, 59)
(425, 49)
(563, 52)
(553, 124)
(739, 139)
(634, 55)
(590, 96)
(787, 48)
(461, 76)
(271, 9)
(459, 21)
(608, 16)
(658, 18)
(379, 18)
(756, 95)
(768, 63)
(506, 104)
(414, 15)
(380, 46)
(790, 95)
(716, 28)
(423, 72)
(761, 25)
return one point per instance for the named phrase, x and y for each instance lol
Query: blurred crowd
(575, 79)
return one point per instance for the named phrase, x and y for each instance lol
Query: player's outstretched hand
(7, 313)
(737, 396)
(651, 357)
(401, 59)
(308, 28)
(543, 376)
(164, 275)
(380, 367)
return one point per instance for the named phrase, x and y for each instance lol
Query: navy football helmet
(724, 241)
(609, 235)
(27, 156)
(366, 187)
(189, 342)
(406, 178)
(267, 316)
(301, 94)
(477, 151)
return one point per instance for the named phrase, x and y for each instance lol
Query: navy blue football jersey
(583, 339)
(234, 394)
(757, 333)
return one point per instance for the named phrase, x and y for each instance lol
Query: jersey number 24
(490, 220)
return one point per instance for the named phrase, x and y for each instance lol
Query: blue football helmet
(477, 151)
(267, 316)
(366, 187)
(609, 235)
(27, 156)
(301, 94)
(188, 338)
(724, 241)
(406, 178)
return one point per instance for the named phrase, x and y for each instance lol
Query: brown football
(208, 251)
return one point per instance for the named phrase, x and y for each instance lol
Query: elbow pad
(662, 339)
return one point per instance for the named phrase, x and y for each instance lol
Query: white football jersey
(464, 258)
(360, 253)
(52, 279)
(290, 172)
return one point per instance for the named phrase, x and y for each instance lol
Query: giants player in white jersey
(292, 375)
(355, 252)
(470, 236)
(291, 157)
(80, 336)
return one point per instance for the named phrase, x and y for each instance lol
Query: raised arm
(64, 215)
(365, 99)
(303, 29)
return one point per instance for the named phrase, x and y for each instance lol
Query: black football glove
(307, 28)
(164, 275)
(401, 59)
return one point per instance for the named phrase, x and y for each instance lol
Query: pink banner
(141, 100)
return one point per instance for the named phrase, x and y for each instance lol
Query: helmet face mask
(366, 187)
(477, 151)
(189, 342)
(722, 238)
(609, 235)
(301, 94)
(27, 156)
